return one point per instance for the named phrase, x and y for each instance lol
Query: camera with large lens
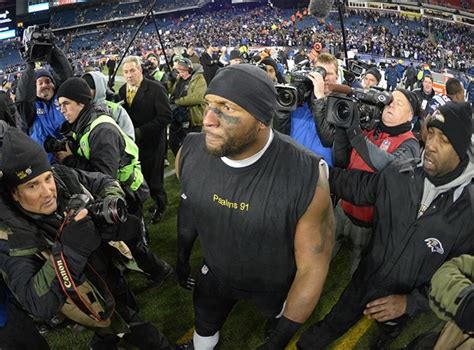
(53, 145)
(366, 104)
(292, 95)
(37, 44)
(109, 211)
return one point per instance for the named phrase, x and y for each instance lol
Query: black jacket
(28, 274)
(150, 112)
(405, 251)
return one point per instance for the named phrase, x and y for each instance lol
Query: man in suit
(147, 104)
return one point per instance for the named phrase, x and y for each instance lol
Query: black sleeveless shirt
(246, 217)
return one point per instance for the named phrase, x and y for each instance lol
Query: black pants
(20, 332)
(345, 313)
(213, 301)
(153, 167)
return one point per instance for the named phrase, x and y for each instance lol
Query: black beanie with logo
(75, 89)
(247, 86)
(455, 121)
(23, 159)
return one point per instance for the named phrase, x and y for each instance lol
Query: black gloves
(183, 275)
(281, 336)
(464, 316)
(81, 236)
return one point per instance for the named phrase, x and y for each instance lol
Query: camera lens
(286, 98)
(116, 211)
(343, 110)
(321, 71)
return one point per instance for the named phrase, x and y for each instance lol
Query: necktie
(130, 95)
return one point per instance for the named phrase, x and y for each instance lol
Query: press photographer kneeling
(57, 260)
(371, 129)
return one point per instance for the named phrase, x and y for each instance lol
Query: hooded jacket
(115, 110)
(194, 98)
(406, 249)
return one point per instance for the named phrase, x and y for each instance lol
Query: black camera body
(37, 44)
(367, 105)
(53, 145)
(108, 211)
(292, 95)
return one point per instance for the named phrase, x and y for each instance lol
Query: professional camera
(37, 44)
(290, 96)
(110, 210)
(53, 145)
(367, 105)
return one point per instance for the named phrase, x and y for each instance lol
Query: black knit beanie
(414, 101)
(75, 89)
(249, 87)
(455, 121)
(23, 159)
(375, 72)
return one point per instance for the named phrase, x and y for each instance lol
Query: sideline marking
(349, 340)
(186, 337)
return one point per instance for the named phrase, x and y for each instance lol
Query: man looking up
(265, 236)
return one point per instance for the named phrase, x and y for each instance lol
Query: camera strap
(84, 302)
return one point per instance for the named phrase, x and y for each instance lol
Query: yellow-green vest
(129, 174)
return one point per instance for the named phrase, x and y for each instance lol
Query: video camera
(37, 44)
(367, 105)
(292, 95)
(109, 211)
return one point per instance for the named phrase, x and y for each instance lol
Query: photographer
(35, 94)
(372, 150)
(33, 212)
(101, 146)
(151, 68)
(301, 124)
(187, 95)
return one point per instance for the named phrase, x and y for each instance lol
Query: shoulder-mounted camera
(37, 44)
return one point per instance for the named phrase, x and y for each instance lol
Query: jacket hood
(431, 192)
(100, 82)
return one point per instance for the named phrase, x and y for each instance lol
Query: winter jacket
(115, 110)
(452, 288)
(410, 241)
(106, 146)
(194, 97)
(29, 275)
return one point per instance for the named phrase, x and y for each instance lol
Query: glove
(183, 275)
(282, 334)
(81, 237)
(463, 317)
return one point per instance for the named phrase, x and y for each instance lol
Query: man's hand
(183, 275)
(62, 155)
(318, 84)
(80, 235)
(387, 308)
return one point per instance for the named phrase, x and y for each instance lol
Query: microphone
(340, 88)
(320, 8)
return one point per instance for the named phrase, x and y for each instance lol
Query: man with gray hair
(147, 104)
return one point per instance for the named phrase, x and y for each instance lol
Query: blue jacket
(47, 121)
(303, 130)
